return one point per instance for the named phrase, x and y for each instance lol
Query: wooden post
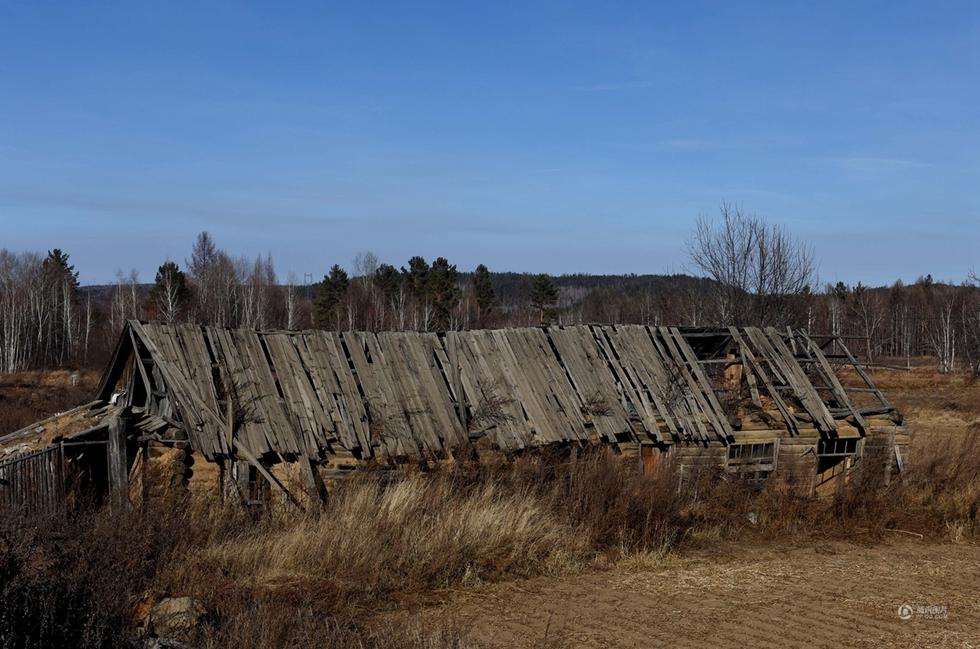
(116, 453)
(145, 472)
(251, 459)
(241, 471)
(228, 489)
(62, 480)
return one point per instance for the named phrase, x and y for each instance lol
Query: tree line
(752, 272)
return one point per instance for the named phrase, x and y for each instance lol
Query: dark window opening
(839, 446)
(839, 452)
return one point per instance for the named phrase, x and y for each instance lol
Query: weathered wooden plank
(592, 380)
(805, 391)
(336, 388)
(623, 349)
(813, 351)
(116, 453)
(497, 405)
(715, 410)
(300, 404)
(628, 351)
(748, 355)
(699, 408)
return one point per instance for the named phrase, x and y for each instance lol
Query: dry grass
(278, 579)
(941, 489)
(419, 534)
(318, 580)
(26, 397)
(922, 394)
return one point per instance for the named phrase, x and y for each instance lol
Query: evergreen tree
(544, 295)
(170, 293)
(444, 291)
(417, 277)
(388, 282)
(57, 270)
(387, 279)
(59, 294)
(486, 299)
(330, 293)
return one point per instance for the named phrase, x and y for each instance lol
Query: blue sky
(557, 137)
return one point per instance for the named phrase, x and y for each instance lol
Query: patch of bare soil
(831, 595)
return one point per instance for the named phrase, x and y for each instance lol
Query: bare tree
(125, 303)
(971, 323)
(366, 264)
(18, 288)
(869, 307)
(204, 259)
(758, 267)
(291, 295)
(940, 324)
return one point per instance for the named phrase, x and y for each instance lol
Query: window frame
(753, 462)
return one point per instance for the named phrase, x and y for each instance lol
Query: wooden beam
(117, 472)
(254, 461)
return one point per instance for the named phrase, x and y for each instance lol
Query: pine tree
(59, 293)
(416, 279)
(444, 289)
(387, 279)
(486, 298)
(330, 293)
(170, 293)
(388, 282)
(57, 269)
(544, 295)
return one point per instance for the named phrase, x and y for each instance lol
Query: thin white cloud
(876, 164)
(616, 86)
(689, 144)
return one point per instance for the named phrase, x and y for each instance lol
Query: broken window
(839, 446)
(839, 451)
(754, 460)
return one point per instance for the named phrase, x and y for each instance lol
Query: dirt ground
(828, 594)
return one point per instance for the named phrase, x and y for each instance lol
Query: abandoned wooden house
(259, 412)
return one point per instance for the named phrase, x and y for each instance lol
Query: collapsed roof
(394, 395)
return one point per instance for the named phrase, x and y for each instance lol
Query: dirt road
(831, 595)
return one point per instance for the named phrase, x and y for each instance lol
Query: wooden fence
(33, 482)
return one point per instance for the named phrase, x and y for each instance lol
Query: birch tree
(170, 293)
